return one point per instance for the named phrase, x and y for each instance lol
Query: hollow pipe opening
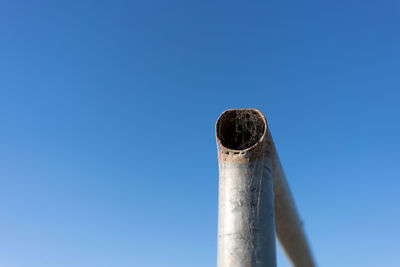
(239, 129)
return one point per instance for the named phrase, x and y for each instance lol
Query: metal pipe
(289, 228)
(254, 197)
(246, 225)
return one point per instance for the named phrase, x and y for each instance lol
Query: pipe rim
(224, 125)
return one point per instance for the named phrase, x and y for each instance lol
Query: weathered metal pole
(246, 224)
(254, 196)
(289, 228)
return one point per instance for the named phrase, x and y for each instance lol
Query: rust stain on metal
(242, 135)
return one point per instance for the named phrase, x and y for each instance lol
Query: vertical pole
(246, 223)
(254, 196)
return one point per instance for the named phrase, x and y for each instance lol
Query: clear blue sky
(107, 113)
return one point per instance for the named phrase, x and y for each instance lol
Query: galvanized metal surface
(289, 228)
(254, 196)
(246, 224)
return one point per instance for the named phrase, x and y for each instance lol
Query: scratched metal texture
(246, 224)
(255, 202)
